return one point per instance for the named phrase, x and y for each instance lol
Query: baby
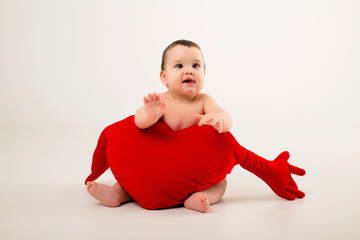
(182, 106)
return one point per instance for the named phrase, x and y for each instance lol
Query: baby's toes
(92, 187)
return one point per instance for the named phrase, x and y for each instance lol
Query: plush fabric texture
(160, 167)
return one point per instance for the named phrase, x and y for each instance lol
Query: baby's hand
(211, 119)
(154, 106)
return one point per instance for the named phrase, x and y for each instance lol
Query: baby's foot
(105, 194)
(198, 202)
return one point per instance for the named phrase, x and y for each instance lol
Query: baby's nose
(189, 71)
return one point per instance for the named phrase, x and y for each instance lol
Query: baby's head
(183, 68)
(182, 42)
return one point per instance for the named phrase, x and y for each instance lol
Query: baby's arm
(151, 112)
(215, 116)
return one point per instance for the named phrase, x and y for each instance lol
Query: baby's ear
(163, 78)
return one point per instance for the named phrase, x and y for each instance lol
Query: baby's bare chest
(179, 116)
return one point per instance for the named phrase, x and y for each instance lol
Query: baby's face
(184, 71)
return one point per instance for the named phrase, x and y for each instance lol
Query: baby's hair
(182, 42)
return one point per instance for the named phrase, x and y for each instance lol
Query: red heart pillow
(160, 168)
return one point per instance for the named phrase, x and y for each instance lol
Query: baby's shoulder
(203, 97)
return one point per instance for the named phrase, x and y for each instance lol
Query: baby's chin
(190, 90)
(185, 93)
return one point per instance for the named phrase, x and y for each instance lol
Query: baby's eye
(195, 65)
(179, 65)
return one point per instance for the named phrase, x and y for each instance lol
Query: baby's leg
(109, 196)
(200, 201)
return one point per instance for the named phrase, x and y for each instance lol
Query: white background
(287, 71)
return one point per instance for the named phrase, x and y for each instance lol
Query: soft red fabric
(160, 167)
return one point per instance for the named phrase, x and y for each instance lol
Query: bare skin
(180, 107)
(201, 201)
(109, 196)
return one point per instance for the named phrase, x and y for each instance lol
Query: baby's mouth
(189, 80)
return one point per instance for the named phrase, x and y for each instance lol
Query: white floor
(43, 196)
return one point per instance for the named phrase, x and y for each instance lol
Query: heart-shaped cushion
(160, 167)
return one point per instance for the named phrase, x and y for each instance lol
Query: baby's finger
(163, 104)
(145, 100)
(221, 127)
(213, 122)
(199, 116)
(149, 97)
(204, 121)
(153, 96)
(201, 122)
